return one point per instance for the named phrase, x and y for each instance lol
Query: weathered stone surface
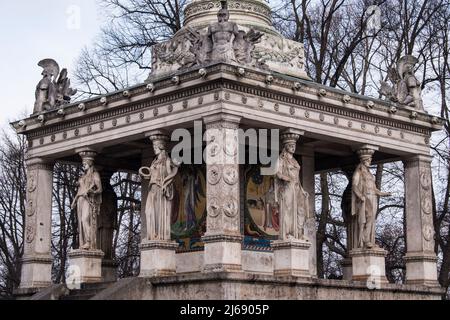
(246, 286)
(87, 265)
(158, 258)
(291, 258)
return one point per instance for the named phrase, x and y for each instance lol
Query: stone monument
(217, 228)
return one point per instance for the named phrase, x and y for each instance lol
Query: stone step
(86, 292)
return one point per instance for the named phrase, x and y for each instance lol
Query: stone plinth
(347, 269)
(222, 253)
(35, 272)
(421, 269)
(86, 265)
(109, 271)
(158, 258)
(291, 258)
(369, 265)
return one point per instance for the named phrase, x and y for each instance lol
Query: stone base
(223, 253)
(249, 286)
(86, 266)
(36, 272)
(158, 258)
(347, 269)
(109, 271)
(421, 269)
(291, 258)
(369, 266)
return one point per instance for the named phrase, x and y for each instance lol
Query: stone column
(223, 239)
(420, 258)
(37, 260)
(308, 181)
(107, 224)
(158, 257)
(86, 264)
(368, 263)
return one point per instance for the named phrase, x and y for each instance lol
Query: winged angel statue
(54, 89)
(406, 88)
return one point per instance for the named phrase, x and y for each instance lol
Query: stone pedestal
(158, 258)
(421, 268)
(86, 265)
(368, 265)
(36, 272)
(109, 271)
(347, 269)
(222, 253)
(291, 258)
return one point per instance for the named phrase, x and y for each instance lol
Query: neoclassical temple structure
(220, 228)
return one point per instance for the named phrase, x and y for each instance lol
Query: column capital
(416, 159)
(87, 152)
(157, 135)
(291, 135)
(226, 118)
(40, 163)
(367, 147)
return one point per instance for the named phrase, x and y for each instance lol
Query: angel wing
(253, 36)
(50, 66)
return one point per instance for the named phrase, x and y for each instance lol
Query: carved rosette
(222, 176)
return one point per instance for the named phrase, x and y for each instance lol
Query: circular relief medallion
(214, 175)
(141, 116)
(363, 126)
(32, 183)
(53, 138)
(292, 111)
(128, 119)
(389, 133)
(170, 108)
(114, 123)
(76, 132)
(244, 100)
(307, 115)
(230, 207)
(377, 129)
(216, 96)
(102, 126)
(41, 141)
(350, 124)
(89, 129)
(213, 150)
(227, 96)
(425, 180)
(65, 135)
(336, 120)
(428, 233)
(427, 206)
(276, 107)
(185, 104)
(322, 117)
(30, 234)
(231, 146)
(200, 100)
(155, 112)
(230, 175)
(214, 207)
(31, 208)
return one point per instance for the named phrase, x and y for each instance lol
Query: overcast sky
(31, 30)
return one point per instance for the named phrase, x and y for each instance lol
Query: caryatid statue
(107, 222)
(406, 89)
(161, 175)
(293, 200)
(365, 196)
(87, 202)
